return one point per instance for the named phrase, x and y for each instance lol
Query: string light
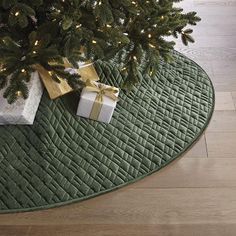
(18, 93)
(149, 35)
(151, 45)
(17, 13)
(34, 52)
(36, 43)
(23, 70)
(94, 41)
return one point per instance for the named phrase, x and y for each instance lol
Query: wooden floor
(195, 195)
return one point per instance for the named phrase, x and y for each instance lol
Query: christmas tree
(45, 32)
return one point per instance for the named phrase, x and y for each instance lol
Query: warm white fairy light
(18, 93)
(151, 45)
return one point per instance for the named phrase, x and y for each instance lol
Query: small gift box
(98, 101)
(86, 71)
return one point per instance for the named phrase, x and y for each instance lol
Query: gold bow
(101, 90)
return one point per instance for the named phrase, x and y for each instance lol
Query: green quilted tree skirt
(63, 158)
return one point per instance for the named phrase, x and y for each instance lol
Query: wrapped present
(22, 112)
(55, 89)
(88, 71)
(98, 101)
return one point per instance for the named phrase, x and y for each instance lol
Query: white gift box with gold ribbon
(98, 101)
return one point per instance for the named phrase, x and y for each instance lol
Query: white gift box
(87, 101)
(22, 112)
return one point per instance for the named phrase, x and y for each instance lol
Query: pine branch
(130, 32)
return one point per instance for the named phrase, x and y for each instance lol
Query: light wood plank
(224, 68)
(210, 3)
(136, 206)
(198, 150)
(224, 79)
(221, 86)
(130, 230)
(234, 97)
(224, 101)
(221, 145)
(15, 230)
(208, 41)
(193, 173)
(223, 121)
(209, 54)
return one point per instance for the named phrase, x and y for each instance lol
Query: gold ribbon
(101, 90)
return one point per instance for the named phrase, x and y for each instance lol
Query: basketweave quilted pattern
(63, 158)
